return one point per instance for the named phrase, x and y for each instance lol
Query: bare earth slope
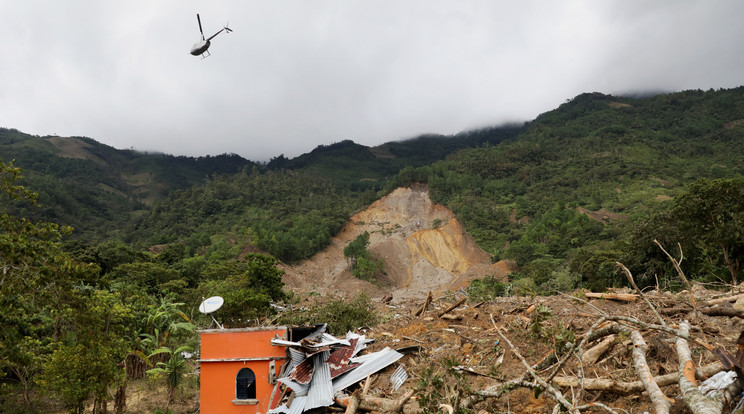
(423, 246)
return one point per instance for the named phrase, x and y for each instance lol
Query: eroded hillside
(423, 246)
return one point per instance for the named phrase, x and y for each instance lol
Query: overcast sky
(296, 74)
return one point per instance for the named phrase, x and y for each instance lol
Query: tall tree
(711, 213)
(36, 286)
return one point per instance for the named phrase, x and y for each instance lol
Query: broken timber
(624, 297)
(453, 307)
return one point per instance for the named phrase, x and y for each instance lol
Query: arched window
(245, 385)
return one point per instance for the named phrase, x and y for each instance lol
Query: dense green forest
(106, 253)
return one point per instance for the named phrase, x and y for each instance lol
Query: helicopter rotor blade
(200, 27)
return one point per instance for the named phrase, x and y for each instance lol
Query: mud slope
(423, 246)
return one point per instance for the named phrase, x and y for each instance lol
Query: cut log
(452, 307)
(353, 404)
(624, 297)
(385, 405)
(722, 311)
(422, 310)
(592, 355)
(725, 299)
(622, 387)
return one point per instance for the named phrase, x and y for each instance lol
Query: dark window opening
(245, 385)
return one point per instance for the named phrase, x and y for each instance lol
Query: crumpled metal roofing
(321, 389)
(317, 373)
(371, 363)
(399, 377)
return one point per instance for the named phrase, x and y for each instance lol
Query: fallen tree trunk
(624, 297)
(660, 401)
(695, 400)
(722, 311)
(452, 307)
(386, 405)
(623, 387)
(732, 298)
(422, 310)
(592, 355)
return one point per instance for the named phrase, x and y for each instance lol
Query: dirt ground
(474, 343)
(470, 340)
(422, 245)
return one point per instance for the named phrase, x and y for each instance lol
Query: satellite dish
(210, 305)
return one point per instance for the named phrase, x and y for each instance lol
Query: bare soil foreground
(499, 356)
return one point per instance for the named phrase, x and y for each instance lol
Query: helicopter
(201, 47)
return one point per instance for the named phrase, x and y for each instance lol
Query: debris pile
(320, 366)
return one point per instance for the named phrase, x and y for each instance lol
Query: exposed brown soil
(602, 215)
(421, 257)
(422, 245)
(472, 341)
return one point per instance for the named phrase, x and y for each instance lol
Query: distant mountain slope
(526, 186)
(359, 167)
(594, 152)
(94, 187)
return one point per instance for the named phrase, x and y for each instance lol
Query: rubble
(321, 366)
(500, 348)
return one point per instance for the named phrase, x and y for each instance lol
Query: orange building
(239, 368)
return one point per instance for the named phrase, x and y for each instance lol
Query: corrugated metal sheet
(299, 389)
(362, 341)
(320, 365)
(298, 406)
(398, 378)
(303, 372)
(283, 342)
(321, 389)
(339, 359)
(370, 364)
(295, 358)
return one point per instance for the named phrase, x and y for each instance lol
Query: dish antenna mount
(210, 305)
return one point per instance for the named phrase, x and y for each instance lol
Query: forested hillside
(626, 159)
(96, 188)
(566, 196)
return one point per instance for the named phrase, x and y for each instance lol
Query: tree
(357, 248)
(711, 214)
(86, 361)
(36, 286)
(248, 286)
(174, 369)
(363, 265)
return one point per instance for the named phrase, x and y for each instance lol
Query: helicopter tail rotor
(227, 29)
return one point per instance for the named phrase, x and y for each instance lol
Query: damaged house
(281, 369)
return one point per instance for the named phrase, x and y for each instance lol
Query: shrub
(488, 288)
(340, 315)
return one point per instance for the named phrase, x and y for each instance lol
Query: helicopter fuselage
(200, 47)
